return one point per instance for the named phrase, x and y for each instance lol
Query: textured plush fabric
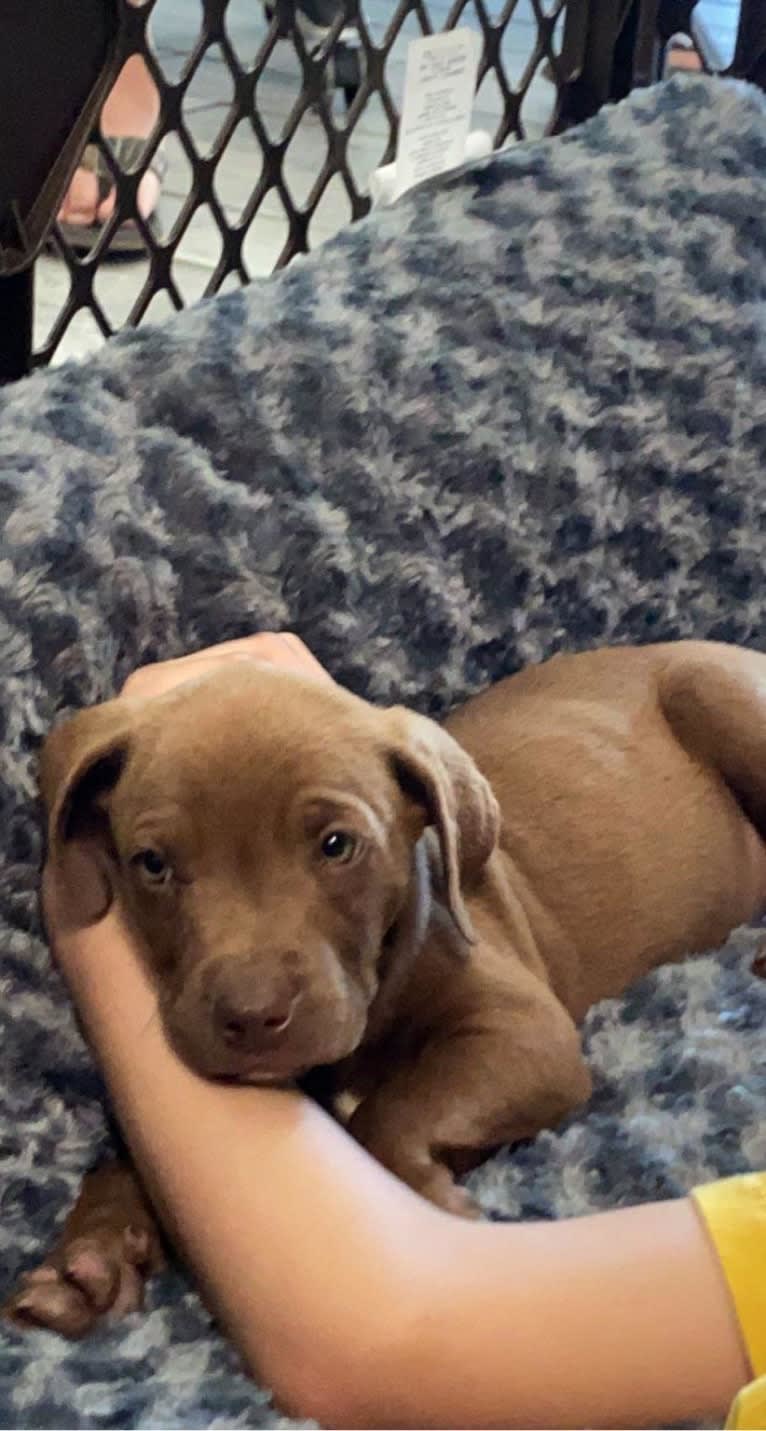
(523, 410)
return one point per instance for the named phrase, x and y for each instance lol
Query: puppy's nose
(249, 1026)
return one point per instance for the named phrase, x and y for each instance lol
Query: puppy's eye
(153, 866)
(339, 846)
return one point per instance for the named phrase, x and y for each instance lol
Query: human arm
(363, 1305)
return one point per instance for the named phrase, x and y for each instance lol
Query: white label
(439, 90)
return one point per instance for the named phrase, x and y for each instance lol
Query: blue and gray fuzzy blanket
(523, 410)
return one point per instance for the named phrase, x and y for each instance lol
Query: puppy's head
(261, 832)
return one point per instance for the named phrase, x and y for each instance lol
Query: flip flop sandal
(128, 237)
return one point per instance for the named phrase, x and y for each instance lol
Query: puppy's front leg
(491, 1081)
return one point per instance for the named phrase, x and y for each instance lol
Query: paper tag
(439, 90)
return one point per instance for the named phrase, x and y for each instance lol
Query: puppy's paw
(413, 1162)
(92, 1278)
(440, 1188)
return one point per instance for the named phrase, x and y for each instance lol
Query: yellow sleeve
(748, 1412)
(734, 1212)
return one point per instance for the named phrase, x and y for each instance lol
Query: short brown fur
(569, 830)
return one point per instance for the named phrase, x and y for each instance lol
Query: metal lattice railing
(272, 125)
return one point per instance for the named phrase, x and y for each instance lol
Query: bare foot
(681, 54)
(130, 111)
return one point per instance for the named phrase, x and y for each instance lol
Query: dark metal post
(750, 53)
(16, 307)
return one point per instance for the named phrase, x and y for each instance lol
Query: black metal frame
(69, 55)
(56, 67)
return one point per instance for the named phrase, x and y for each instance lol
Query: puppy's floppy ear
(439, 776)
(81, 762)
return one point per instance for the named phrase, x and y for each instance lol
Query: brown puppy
(421, 914)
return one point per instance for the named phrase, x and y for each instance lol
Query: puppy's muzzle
(251, 1013)
(266, 1016)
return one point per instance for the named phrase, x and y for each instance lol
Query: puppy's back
(638, 850)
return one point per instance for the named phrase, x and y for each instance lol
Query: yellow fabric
(734, 1211)
(748, 1412)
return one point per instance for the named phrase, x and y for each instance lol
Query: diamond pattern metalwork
(575, 40)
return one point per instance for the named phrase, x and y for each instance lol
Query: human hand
(275, 648)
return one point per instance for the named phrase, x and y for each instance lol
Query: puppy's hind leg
(714, 698)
